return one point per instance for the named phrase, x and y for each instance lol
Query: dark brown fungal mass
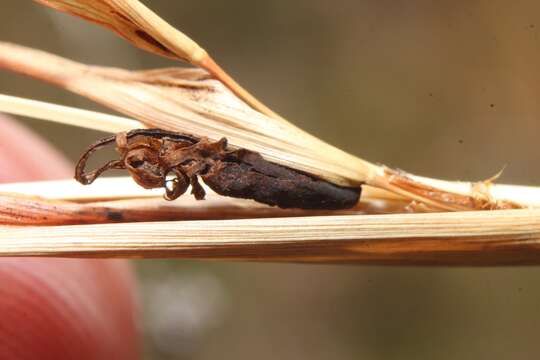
(156, 158)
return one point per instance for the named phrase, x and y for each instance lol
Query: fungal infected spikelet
(156, 158)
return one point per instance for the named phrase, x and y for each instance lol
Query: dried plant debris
(183, 100)
(157, 158)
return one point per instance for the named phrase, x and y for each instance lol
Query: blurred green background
(445, 89)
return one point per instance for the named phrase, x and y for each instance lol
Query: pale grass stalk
(118, 188)
(66, 115)
(103, 189)
(508, 237)
(121, 188)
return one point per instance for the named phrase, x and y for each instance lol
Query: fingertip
(67, 309)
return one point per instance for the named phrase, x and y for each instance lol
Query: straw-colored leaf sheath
(139, 25)
(188, 100)
(506, 237)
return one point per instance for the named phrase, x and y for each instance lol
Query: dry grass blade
(136, 23)
(473, 238)
(66, 115)
(105, 189)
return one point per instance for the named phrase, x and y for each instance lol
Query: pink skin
(60, 308)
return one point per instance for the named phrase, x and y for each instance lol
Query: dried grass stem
(471, 238)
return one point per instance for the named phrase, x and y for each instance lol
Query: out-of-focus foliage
(445, 89)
